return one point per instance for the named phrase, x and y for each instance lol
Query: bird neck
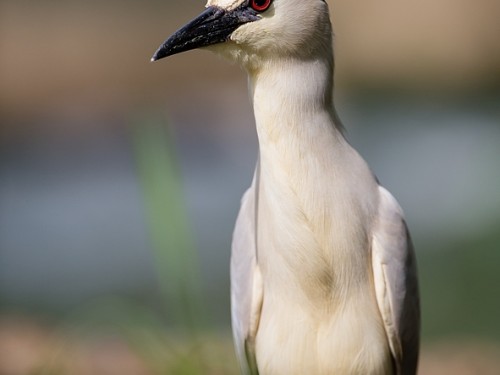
(308, 177)
(293, 104)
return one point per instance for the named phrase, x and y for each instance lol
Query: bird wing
(396, 286)
(246, 282)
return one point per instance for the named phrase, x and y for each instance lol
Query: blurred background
(120, 180)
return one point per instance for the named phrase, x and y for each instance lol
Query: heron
(323, 271)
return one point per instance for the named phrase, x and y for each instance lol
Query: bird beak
(214, 25)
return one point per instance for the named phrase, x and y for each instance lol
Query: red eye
(260, 5)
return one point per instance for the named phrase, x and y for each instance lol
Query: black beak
(214, 25)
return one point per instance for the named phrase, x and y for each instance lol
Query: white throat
(292, 100)
(294, 110)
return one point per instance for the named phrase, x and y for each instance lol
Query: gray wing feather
(246, 283)
(396, 285)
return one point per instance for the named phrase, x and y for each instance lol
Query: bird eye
(260, 5)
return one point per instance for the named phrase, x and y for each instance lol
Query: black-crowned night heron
(323, 276)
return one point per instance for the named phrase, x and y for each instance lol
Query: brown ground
(28, 348)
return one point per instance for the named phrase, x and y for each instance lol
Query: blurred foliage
(460, 285)
(172, 239)
(161, 349)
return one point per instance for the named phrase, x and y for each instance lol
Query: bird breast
(319, 307)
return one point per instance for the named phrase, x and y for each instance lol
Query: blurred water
(72, 224)
(439, 160)
(71, 221)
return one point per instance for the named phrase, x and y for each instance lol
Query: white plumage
(323, 277)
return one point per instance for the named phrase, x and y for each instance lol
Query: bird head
(252, 32)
